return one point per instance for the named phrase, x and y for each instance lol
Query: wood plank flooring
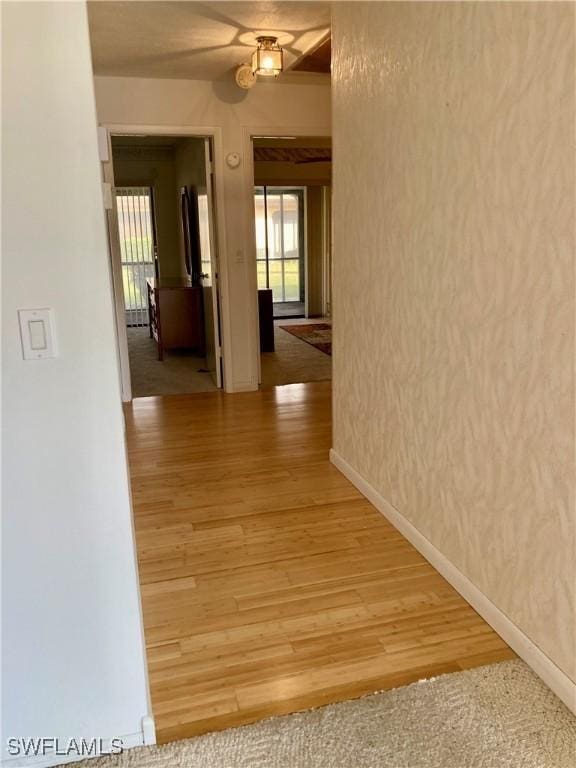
(269, 584)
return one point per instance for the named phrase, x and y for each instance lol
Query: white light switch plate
(37, 333)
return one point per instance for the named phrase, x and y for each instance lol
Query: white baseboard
(242, 386)
(145, 737)
(148, 730)
(544, 667)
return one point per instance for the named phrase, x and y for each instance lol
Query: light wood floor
(269, 583)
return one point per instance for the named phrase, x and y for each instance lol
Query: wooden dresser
(175, 315)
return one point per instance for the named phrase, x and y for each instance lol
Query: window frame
(263, 190)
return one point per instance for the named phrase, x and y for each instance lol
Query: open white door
(209, 270)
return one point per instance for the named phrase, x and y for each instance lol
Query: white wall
(271, 107)
(190, 164)
(73, 652)
(454, 389)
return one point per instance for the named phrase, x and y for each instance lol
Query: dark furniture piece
(175, 315)
(266, 319)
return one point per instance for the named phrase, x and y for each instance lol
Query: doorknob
(203, 274)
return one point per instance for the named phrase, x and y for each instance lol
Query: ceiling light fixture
(267, 59)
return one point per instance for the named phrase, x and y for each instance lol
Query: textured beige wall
(454, 287)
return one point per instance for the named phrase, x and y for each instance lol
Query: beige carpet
(498, 716)
(294, 361)
(179, 373)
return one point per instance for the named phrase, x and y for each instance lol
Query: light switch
(36, 333)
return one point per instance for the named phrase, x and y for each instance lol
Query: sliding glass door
(280, 244)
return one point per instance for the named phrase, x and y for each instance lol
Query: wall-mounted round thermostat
(233, 160)
(245, 78)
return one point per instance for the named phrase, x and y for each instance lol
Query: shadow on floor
(283, 309)
(179, 373)
(294, 361)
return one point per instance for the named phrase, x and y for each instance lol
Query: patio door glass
(280, 242)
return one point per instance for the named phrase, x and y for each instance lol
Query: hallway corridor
(269, 584)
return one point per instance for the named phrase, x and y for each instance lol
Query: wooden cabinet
(175, 314)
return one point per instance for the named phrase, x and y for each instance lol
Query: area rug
(319, 335)
(497, 716)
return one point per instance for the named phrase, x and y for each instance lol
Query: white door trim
(214, 266)
(116, 279)
(215, 133)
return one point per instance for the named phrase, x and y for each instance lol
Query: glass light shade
(267, 58)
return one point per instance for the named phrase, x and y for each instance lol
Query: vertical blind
(135, 227)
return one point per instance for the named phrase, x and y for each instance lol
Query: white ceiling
(193, 40)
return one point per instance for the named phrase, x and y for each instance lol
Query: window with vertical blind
(136, 230)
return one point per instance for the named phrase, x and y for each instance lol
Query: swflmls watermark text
(47, 745)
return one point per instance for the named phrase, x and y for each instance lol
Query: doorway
(165, 263)
(292, 227)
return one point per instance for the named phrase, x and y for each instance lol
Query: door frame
(222, 284)
(214, 265)
(327, 252)
(249, 133)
